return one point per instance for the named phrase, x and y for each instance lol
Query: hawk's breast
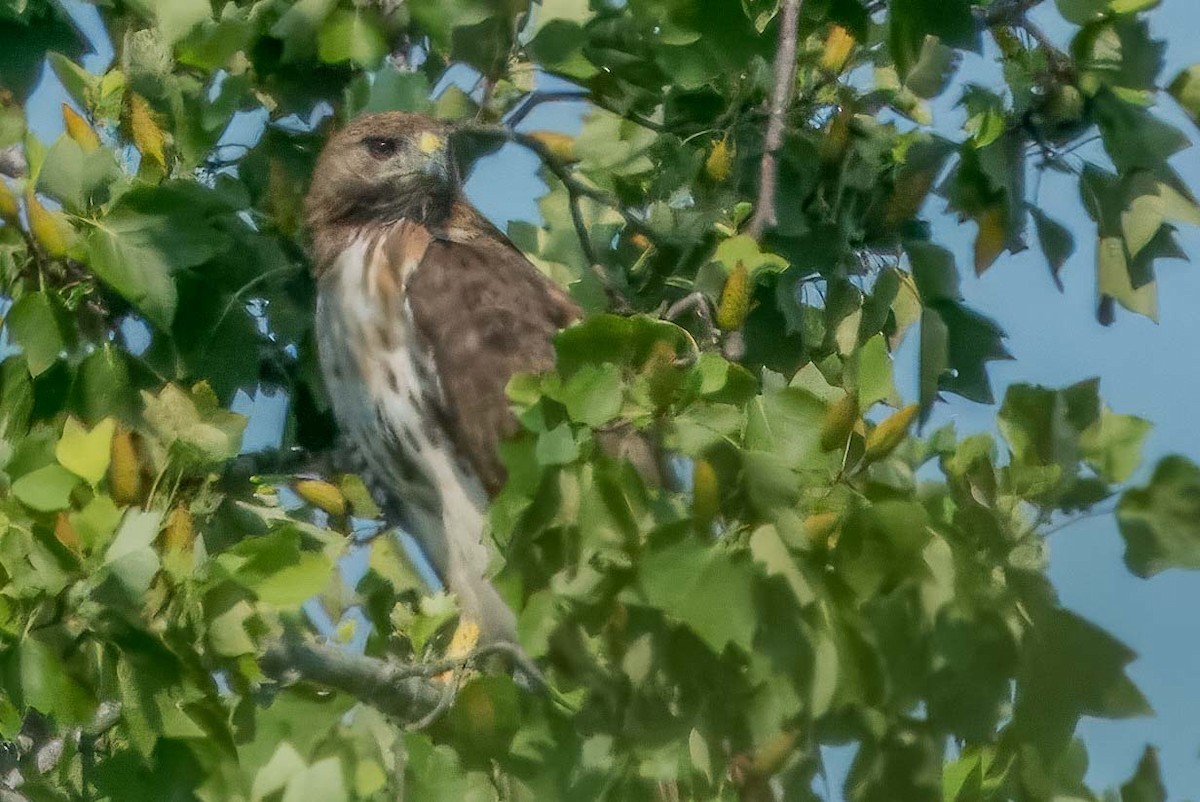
(383, 385)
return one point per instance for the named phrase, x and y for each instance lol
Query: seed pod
(180, 532)
(561, 146)
(65, 534)
(79, 130)
(770, 757)
(821, 528)
(839, 422)
(46, 227)
(663, 378)
(838, 45)
(322, 495)
(719, 163)
(145, 132)
(706, 495)
(735, 299)
(10, 209)
(124, 472)
(885, 437)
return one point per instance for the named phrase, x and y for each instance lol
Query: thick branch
(400, 690)
(781, 95)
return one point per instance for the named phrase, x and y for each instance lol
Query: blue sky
(1145, 369)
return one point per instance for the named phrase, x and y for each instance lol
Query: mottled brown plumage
(425, 311)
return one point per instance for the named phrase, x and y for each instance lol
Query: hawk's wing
(481, 313)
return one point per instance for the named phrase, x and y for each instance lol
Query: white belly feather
(372, 373)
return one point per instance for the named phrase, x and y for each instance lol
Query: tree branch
(576, 189)
(407, 691)
(12, 162)
(393, 688)
(535, 99)
(781, 94)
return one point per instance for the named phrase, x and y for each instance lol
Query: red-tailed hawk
(424, 312)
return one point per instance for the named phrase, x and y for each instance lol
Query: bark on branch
(781, 95)
(405, 691)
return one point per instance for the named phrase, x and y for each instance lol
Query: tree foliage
(825, 576)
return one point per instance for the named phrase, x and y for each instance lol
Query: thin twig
(781, 94)
(576, 189)
(535, 99)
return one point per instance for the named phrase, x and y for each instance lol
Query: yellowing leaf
(561, 146)
(79, 130)
(706, 495)
(124, 472)
(735, 299)
(86, 453)
(885, 437)
(838, 45)
(322, 495)
(719, 163)
(50, 229)
(145, 131)
(989, 243)
(839, 422)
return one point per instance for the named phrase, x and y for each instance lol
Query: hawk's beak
(437, 162)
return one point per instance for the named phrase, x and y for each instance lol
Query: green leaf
(1070, 668)
(47, 489)
(320, 782)
(273, 777)
(1082, 12)
(137, 532)
(86, 453)
(103, 386)
(557, 446)
(1114, 281)
(911, 21)
(1056, 240)
(36, 677)
(593, 394)
(1134, 137)
(175, 18)
(486, 716)
(705, 587)
(1186, 91)
(769, 549)
(1144, 214)
(294, 584)
(149, 235)
(1161, 521)
(1146, 784)
(355, 36)
(871, 366)
(38, 326)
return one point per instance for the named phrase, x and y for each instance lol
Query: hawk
(424, 312)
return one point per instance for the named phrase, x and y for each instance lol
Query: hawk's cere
(424, 312)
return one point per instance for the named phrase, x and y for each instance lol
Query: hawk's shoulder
(480, 312)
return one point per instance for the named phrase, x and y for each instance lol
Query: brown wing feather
(484, 313)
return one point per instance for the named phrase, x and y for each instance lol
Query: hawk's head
(382, 167)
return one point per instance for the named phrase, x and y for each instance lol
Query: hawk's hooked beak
(437, 156)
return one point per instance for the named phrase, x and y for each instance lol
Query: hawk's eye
(381, 147)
